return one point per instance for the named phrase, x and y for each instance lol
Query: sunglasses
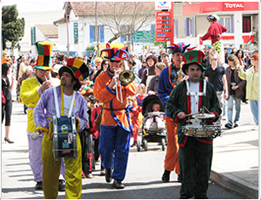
(117, 61)
(213, 59)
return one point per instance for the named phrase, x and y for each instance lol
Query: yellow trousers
(51, 172)
(171, 161)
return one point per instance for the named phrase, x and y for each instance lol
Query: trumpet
(125, 77)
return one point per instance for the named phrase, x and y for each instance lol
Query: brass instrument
(125, 77)
(180, 75)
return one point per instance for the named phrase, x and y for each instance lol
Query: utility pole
(97, 30)
(67, 25)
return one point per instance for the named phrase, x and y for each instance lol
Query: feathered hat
(115, 54)
(44, 61)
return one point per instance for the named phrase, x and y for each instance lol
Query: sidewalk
(235, 157)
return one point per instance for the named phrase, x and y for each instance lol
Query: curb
(235, 184)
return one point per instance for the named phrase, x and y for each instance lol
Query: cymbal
(203, 115)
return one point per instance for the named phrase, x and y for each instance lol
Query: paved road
(143, 178)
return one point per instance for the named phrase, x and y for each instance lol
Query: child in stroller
(153, 124)
(155, 119)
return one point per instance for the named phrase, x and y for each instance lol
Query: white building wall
(33, 18)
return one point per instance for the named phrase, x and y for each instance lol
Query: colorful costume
(115, 121)
(43, 121)
(136, 110)
(73, 168)
(214, 32)
(30, 94)
(115, 124)
(167, 81)
(195, 154)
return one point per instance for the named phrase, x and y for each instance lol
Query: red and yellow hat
(44, 61)
(77, 68)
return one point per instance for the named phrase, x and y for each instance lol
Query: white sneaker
(255, 128)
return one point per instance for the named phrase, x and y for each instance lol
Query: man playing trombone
(115, 125)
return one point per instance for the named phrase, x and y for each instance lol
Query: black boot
(117, 184)
(108, 175)
(165, 176)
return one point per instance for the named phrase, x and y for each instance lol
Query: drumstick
(206, 109)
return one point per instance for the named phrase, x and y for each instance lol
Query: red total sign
(164, 26)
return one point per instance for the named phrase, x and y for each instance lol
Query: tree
(123, 18)
(12, 27)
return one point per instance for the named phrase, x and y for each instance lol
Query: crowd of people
(108, 112)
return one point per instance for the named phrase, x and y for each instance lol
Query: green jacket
(251, 78)
(179, 101)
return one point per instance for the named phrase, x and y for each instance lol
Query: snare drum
(197, 130)
(64, 137)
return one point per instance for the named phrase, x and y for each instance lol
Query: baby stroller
(154, 131)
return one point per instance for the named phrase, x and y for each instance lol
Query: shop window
(228, 22)
(246, 24)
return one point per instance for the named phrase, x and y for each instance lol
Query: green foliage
(90, 48)
(12, 27)
(163, 45)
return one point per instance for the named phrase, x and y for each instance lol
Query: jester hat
(115, 54)
(193, 56)
(44, 60)
(180, 47)
(77, 68)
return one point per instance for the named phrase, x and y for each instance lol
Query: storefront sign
(233, 6)
(163, 5)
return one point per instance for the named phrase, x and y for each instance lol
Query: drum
(198, 130)
(64, 137)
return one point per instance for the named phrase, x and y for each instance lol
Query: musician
(168, 79)
(195, 154)
(71, 76)
(115, 124)
(31, 91)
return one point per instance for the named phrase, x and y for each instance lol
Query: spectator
(240, 55)
(136, 60)
(7, 107)
(252, 79)
(150, 71)
(235, 87)
(166, 60)
(154, 83)
(162, 53)
(141, 70)
(216, 74)
(133, 67)
(100, 68)
(141, 94)
(134, 116)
